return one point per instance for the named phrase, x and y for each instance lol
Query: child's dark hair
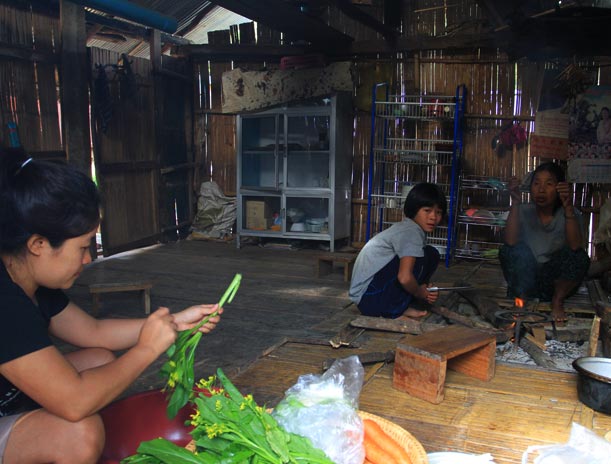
(556, 171)
(424, 195)
(52, 199)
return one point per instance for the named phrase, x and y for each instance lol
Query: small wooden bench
(421, 361)
(143, 287)
(326, 262)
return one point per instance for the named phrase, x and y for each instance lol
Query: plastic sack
(324, 408)
(583, 447)
(216, 213)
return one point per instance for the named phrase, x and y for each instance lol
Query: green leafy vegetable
(230, 428)
(178, 370)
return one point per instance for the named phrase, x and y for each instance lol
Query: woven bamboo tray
(401, 436)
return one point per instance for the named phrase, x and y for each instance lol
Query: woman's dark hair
(553, 168)
(556, 171)
(424, 195)
(48, 198)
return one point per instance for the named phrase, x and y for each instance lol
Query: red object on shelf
(300, 62)
(137, 418)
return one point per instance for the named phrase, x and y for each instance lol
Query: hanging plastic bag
(324, 408)
(583, 447)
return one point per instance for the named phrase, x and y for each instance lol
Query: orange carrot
(374, 433)
(375, 454)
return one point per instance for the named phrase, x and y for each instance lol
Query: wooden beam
(133, 30)
(489, 6)
(26, 54)
(121, 167)
(356, 13)
(236, 52)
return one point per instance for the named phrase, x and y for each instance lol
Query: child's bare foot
(558, 313)
(413, 313)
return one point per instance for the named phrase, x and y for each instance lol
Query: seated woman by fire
(543, 254)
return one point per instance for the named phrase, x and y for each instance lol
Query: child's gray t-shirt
(543, 239)
(405, 238)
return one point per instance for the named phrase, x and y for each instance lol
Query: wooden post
(155, 50)
(74, 85)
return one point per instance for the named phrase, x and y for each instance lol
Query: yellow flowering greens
(230, 428)
(178, 370)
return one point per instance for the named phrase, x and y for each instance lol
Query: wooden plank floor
(280, 299)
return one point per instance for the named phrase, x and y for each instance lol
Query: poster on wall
(551, 136)
(589, 148)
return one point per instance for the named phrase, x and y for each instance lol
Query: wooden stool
(421, 361)
(144, 287)
(325, 264)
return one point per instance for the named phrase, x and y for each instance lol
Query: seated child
(395, 266)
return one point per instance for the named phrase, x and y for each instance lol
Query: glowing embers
(517, 318)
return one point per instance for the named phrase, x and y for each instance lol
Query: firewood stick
(464, 320)
(540, 357)
(404, 325)
(594, 333)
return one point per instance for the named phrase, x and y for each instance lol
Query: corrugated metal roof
(185, 12)
(217, 19)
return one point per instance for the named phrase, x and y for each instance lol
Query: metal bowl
(594, 382)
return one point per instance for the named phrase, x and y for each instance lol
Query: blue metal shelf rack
(414, 138)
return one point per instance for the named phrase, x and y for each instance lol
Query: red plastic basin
(137, 418)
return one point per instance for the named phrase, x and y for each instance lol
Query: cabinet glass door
(308, 152)
(262, 213)
(260, 152)
(307, 215)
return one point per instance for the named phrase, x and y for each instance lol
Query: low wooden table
(326, 262)
(143, 287)
(421, 361)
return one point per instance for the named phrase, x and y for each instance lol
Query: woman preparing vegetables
(543, 255)
(49, 213)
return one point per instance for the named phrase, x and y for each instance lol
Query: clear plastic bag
(583, 447)
(324, 408)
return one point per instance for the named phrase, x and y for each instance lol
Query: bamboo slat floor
(521, 406)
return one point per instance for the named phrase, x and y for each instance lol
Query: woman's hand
(565, 193)
(158, 331)
(190, 317)
(514, 191)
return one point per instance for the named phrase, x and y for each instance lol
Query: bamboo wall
(149, 129)
(501, 91)
(29, 90)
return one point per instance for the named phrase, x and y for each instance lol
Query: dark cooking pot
(594, 382)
